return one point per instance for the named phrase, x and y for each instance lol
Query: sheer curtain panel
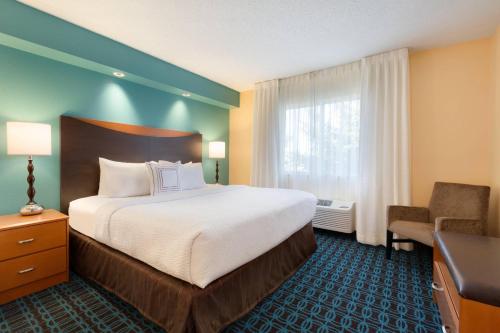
(384, 143)
(319, 117)
(339, 133)
(265, 162)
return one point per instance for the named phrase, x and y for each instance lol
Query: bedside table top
(16, 220)
(474, 264)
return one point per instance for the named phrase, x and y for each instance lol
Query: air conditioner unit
(334, 215)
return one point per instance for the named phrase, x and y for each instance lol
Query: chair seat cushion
(422, 232)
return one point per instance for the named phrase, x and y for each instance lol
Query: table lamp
(29, 139)
(217, 151)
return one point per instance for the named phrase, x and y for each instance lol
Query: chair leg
(388, 248)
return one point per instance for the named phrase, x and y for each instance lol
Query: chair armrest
(466, 226)
(407, 213)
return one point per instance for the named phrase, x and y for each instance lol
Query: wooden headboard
(83, 141)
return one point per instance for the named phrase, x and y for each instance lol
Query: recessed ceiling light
(186, 94)
(118, 74)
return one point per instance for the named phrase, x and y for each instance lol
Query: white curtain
(340, 133)
(265, 161)
(319, 132)
(384, 143)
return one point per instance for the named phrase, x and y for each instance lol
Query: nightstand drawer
(23, 270)
(445, 303)
(26, 240)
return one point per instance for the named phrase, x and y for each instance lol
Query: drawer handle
(436, 287)
(24, 241)
(27, 270)
(445, 328)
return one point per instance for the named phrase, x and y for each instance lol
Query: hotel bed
(191, 261)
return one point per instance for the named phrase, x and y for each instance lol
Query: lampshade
(217, 149)
(28, 139)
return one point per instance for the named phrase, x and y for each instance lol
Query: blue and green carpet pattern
(344, 287)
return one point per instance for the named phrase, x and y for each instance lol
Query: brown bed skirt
(178, 306)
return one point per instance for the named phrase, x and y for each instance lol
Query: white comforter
(201, 235)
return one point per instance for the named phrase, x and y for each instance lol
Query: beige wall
(455, 115)
(240, 140)
(495, 211)
(451, 116)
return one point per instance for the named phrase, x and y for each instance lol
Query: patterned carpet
(344, 287)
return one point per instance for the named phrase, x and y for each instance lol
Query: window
(322, 140)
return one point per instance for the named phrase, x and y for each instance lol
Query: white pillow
(163, 178)
(119, 179)
(178, 162)
(168, 162)
(149, 170)
(192, 176)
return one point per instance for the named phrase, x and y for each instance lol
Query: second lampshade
(217, 151)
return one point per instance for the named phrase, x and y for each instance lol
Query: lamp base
(216, 171)
(31, 209)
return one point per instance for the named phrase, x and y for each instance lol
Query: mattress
(197, 235)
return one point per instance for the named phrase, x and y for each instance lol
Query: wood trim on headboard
(83, 141)
(137, 130)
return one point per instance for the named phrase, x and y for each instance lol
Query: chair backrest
(460, 201)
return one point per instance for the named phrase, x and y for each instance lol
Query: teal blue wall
(37, 89)
(25, 28)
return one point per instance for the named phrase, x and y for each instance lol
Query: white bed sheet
(197, 235)
(82, 213)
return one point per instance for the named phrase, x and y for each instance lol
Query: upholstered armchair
(453, 207)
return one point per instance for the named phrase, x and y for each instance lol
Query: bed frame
(175, 305)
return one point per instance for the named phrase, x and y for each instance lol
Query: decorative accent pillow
(120, 179)
(163, 177)
(168, 162)
(192, 176)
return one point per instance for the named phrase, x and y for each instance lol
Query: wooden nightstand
(33, 253)
(466, 283)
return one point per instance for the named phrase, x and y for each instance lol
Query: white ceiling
(238, 43)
